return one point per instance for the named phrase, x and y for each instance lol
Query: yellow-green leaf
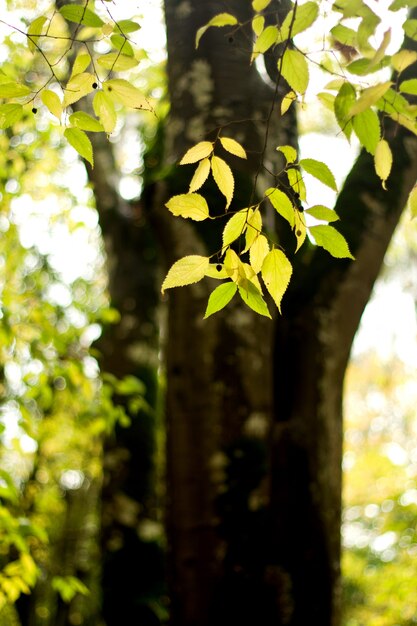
(34, 31)
(126, 26)
(289, 152)
(220, 298)
(251, 296)
(126, 93)
(258, 24)
(367, 129)
(233, 266)
(80, 142)
(117, 62)
(13, 90)
(221, 19)
(266, 40)
(217, 271)
(293, 67)
(403, 59)
(281, 202)
(300, 229)
(189, 205)
(331, 240)
(77, 87)
(121, 43)
(383, 161)
(81, 15)
(233, 146)
(412, 201)
(319, 170)
(223, 177)
(320, 212)
(276, 274)
(260, 5)
(200, 175)
(297, 183)
(105, 111)
(200, 151)
(235, 227)
(84, 121)
(9, 114)
(258, 251)
(188, 270)
(52, 102)
(369, 97)
(287, 101)
(305, 15)
(254, 227)
(81, 62)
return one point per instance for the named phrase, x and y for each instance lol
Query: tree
(253, 405)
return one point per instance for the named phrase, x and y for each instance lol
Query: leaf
(124, 92)
(346, 36)
(330, 239)
(410, 29)
(220, 297)
(104, 109)
(258, 251)
(121, 43)
(126, 26)
(296, 181)
(320, 212)
(253, 298)
(34, 31)
(276, 274)
(409, 86)
(80, 15)
(281, 202)
(82, 61)
(52, 102)
(233, 266)
(223, 177)
(200, 175)
(84, 121)
(189, 205)
(367, 129)
(300, 229)
(80, 142)
(200, 151)
(383, 161)
(293, 67)
(260, 5)
(188, 270)
(403, 59)
(287, 101)
(289, 152)
(319, 170)
(412, 201)
(343, 103)
(254, 227)
(217, 271)
(13, 90)
(305, 15)
(10, 113)
(266, 40)
(258, 24)
(369, 97)
(233, 147)
(117, 62)
(221, 19)
(235, 227)
(77, 87)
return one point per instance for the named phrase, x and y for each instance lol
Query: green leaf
(80, 142)
(233, 146)
(13, 90)
(266, 40)
(34, 31)
(276, 274)
(319, 170)
(253, 298)
(410, 29)
(403, 59)
(84, 121)
(293, 67)
(254, 227)
(235, 227)
(220, 298)
(346, 36)
(367, 129)
(343, 103)
(258, 24)
(200, 151)
(305, 15)
(412, 201)
(52, 102)
(257, 253)
(383, 161)
(320, 212)
(121, 43)
(200, 175)
(369, 97)
(117, 62)
(281, 202)
(221, 19)
(330, 239)
(77, 87)
(10, 113)
(409, 86)
(188, 270)
(104, 109)
(124, 92)
(82, 61)
(223, 177)
(287, 101)
(297, 183)
(260, 5)
(289, 152)
(81, 15)
(189, 205)
(126, 26)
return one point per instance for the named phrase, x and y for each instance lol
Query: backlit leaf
(121, 43)
(126, 93)
(258, 24)
(253, 298)
(281, 202)
(189, 205)
(267, 38)
(369, 97)
(300, 230)
(220, 298)
(80, 15)
(319, 170)
(383, 161)
(13, 90)
(188, 270)
(297, 183)
(81, 62)
(126, 26)
(254, 227)
(410, 28)
(305, 15)
(77, 87)
(293, 67)
(233, 146)
(331, 240)
(412, 202)
(276, 273)
(84, 121)
(105, 111)
(223, 176)
(260, 5)
(52, 102)
(320, 212)
(409, 86)
(367, 129)
(34, 30)
(80, 142)
(217, 271)
(10, 113)
(200, 175)
(287, 101)
(289, 152)
(403, 59)
(221, 19)
(117, 62)
(233, 266)
(258, 251)
(343, 103)
(200, 151)
(235, 227)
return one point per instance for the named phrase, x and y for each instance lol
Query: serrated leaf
(383, 161)
(80, 15)
(300, 230)
(409, 86)
(281, 202)
(220, 297)
(81, 62)
(327, 100)
(260, 5)
(233, 146)
(330, 239)
(34, 31)
(258, 24)
(412, 202)
(221, 19)
(105, 111)
(235, 227)
(289, 152)
(80, 142)
(346, 36)
(410, 29)
(117, 62)
(367, 129)
(126, 26)
(276, 274)
(10, 113)
(233, 266)
(200, 175)
(200, 151)
(254, 227)
(319, 170)
(320, 212)
(258, 251)
(189, 205)
(77, 87)
(121, 43)
(13, 90)
(287, 101)
(369, 97)
(188, 270)
(344, 100)
(293, 67)
(126, 93)
(52, 102)
(293, 24)
(217, 271)
(84, 121)
(268, 37)
(253, 298)
(403, 59)
(223, 177)
(297, 183)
